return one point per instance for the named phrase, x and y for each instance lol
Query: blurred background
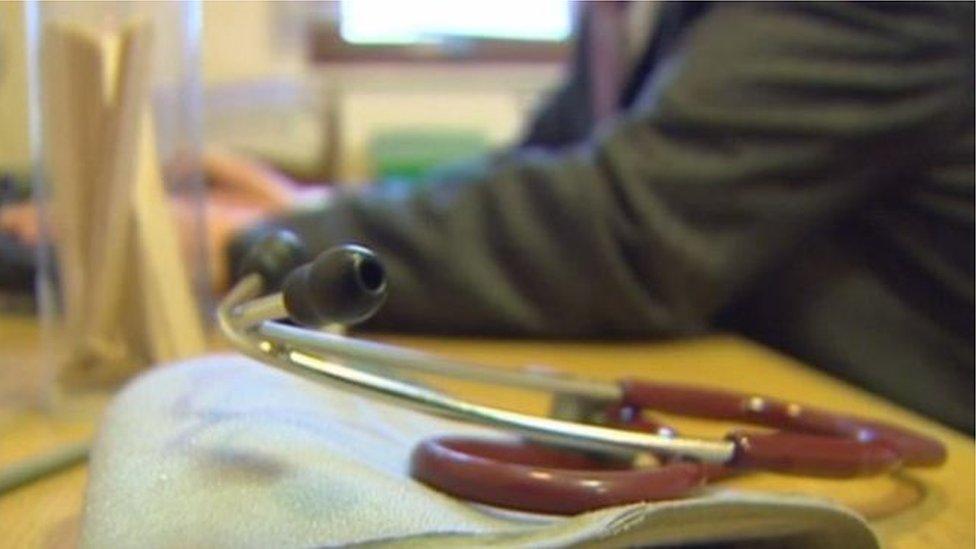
(327, 90)
(344, 92)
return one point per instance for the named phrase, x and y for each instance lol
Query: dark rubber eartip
(273, 257)
(344, 285)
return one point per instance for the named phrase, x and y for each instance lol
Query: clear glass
(115, 120)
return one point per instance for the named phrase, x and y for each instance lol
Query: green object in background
(408, 154)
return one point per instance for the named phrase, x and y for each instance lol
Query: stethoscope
(598, 449)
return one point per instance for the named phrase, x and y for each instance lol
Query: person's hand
(241, 193)
(222, 220)
(236, 180)
(21, 221)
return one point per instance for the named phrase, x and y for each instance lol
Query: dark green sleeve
(770, 123)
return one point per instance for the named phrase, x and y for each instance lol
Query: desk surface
(924, 508)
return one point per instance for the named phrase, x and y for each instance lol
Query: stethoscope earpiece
(273, 257)
(344, 285)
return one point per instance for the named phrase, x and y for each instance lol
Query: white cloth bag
(224, 452)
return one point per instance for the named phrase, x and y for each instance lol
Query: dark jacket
(800, 173)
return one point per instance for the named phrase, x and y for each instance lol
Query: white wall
(245, 40)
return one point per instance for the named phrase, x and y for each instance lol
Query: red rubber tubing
(818, 441)
(543, 479)
(530, 477)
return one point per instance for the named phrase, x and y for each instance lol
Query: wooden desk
(924, 509)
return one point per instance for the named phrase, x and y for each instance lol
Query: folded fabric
(222, 451)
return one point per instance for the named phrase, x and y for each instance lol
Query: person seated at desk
(798, 173)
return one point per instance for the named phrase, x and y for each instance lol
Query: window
(434, 21)
(442, 31)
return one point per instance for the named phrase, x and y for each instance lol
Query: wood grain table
(921, 508)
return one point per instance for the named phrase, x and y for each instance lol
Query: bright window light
(426, 21)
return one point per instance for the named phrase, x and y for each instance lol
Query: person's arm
(772, 123)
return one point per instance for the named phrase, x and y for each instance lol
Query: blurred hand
(222, 220)
(21, 221)
(234, 179)
(243, 192)
(240, 193)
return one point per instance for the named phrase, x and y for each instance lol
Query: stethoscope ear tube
(811, 455)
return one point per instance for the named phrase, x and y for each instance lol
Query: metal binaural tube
(256, 311)
(349, 283)
(554, 431)
(289, 348)
(398, 358)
